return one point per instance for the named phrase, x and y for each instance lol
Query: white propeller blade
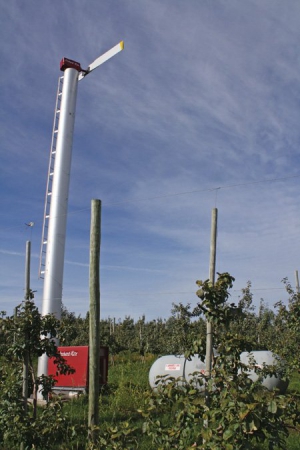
(101, 59)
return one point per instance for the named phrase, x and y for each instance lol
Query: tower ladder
(50, 179)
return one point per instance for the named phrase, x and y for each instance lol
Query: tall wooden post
(94, 338)
(297, 282)
(27, 297)
(27, 270)
(26, 356)
(212, 271)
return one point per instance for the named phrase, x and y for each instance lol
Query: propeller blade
(103, 58)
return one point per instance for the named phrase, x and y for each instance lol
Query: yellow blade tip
(122, 45)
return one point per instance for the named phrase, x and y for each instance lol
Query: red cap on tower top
(69, 64)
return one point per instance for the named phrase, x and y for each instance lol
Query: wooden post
(26, 355)
(209, 327)
(94, 317)
(297, 282)
(27, 297)
(27, 270)
(212, 272)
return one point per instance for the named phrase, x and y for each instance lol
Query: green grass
(118, 402)
(122, 397)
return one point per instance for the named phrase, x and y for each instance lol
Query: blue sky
(201, 109)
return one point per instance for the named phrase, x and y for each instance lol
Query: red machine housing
(67, 63)
(78, 358)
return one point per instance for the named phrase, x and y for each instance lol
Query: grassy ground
(118, 403)
(123, 396)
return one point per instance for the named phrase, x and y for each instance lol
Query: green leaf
(272, 408)
(228, 434)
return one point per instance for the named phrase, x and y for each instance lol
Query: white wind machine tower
(57, 192)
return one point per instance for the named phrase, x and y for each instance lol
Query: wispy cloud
(205, 95)
(12, 253)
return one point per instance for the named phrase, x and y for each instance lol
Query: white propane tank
(270, 359)
(177, 366)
